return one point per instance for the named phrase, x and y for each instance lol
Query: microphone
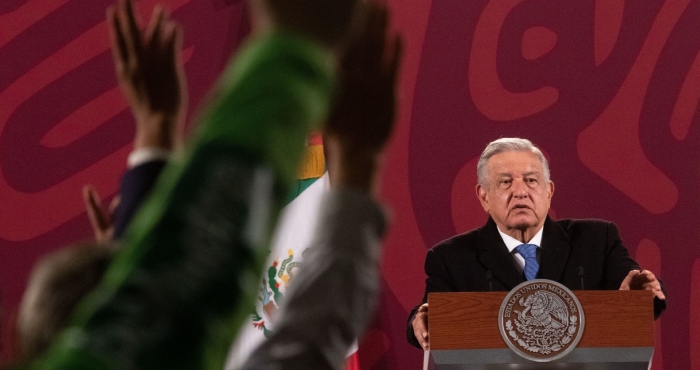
(489, 277)
(580, 276)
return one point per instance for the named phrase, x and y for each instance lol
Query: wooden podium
(464, 333)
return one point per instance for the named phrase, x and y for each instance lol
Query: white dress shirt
(512, 243)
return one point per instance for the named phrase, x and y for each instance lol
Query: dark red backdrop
(608, 89)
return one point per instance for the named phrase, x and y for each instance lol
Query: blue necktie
(529, 253)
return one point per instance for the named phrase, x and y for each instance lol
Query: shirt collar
(511, 242)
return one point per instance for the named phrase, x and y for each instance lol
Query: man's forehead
(515, 173)
(515, 161)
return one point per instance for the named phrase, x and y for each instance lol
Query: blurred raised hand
(150, 73)
(101, 217)
(362, 118)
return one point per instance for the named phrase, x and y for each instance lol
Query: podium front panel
(464, 332)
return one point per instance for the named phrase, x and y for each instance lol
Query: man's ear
(551, 189)
(483, 199)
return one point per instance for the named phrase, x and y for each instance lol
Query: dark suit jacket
(462, 263)
(136, 184)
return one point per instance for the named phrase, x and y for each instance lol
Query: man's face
(517, 196)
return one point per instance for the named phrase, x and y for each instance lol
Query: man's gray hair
(508, 144)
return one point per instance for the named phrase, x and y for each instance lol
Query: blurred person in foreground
(175, 296)
(521, 242)
(57, 283)
(334, 295)
(151, 75)
(155, 90)
(136, 319)
(368, 74)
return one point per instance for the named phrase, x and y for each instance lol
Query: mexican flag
(291, 238)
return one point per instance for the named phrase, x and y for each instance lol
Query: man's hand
(420, 326)
(150, 73)
(101, 218)
(362, 118)
(642, 280)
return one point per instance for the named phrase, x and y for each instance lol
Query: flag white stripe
(294, 232)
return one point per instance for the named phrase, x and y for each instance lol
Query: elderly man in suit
(520, 242)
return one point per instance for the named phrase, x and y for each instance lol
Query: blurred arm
(335, 295)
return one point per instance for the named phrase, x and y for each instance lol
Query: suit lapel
(555, 251)
(494, 256)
